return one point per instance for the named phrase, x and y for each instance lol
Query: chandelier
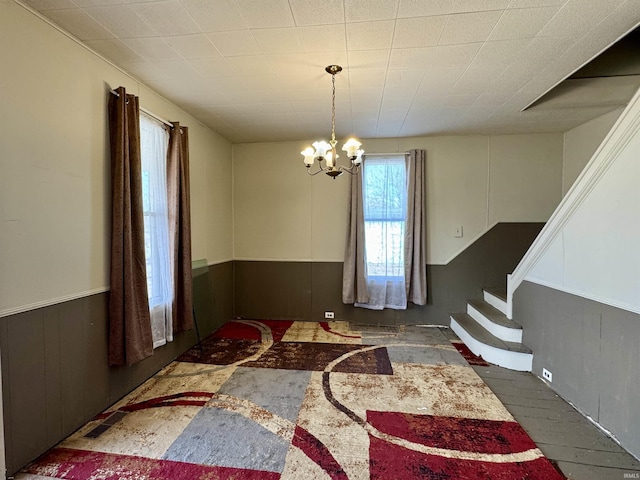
(325, 152)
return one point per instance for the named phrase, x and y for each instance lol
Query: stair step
(496, 297)
(495, 321)
(498, 292)
(482, 335)
(510, 355)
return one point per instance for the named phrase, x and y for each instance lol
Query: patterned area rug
(299, 400)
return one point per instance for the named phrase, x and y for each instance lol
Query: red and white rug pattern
(294, 400)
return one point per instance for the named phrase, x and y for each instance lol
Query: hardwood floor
(567, 438)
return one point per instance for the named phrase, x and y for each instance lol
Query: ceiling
(253, 70)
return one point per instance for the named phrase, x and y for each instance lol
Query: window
(385, 209)
(154, 141)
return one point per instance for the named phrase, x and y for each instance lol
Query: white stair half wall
(489, 334)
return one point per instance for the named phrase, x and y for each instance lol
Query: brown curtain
(415, 262)
(354, 270)
(180, 226)
(129, 323)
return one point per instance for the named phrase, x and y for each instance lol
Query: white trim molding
(609, 150)
(52, 301)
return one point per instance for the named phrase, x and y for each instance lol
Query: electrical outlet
(547, 375)
(328, 315)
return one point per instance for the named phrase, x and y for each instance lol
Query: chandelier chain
(333, 110)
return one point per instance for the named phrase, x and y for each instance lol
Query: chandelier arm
(314, 173)
(353, 169)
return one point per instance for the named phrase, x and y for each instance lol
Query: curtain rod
(160, 119)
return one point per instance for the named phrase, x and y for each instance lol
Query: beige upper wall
(280, 213)
(54, 186)
(581, 143)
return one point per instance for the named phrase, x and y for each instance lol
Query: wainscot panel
(592, 351)
(305, 290)
(54, 363)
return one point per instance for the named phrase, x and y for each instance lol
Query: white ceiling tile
(313, 12)
(325, 38)
(121, 20)
(522, 23)
(211, 67)
(440, 80)
(501, 52)
(459, 100)
(574, 20)
(177, 69)
(476, 80)
(463, 6)
(293, 65)
(370, 35)
(239, 42)
(540, 49)
(535, 3)
(278, 40)
(50, 4)
(424, 8)
(418, 32)
(98, 3)
(452, 55)
(489, 99)
(115, 50)
(469, 27)
(367, 78)
(368, 58)
(370, 10)
(249, 65)
(365, 96)
(152, 48)
(167, 17)
(396, 103)
(265, 13)
(79, 23)
(407, 79)
(193, 46)
(623, 18)
(411, 58)
(215, 15)
(473, 84)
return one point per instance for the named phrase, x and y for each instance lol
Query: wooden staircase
(488, 333)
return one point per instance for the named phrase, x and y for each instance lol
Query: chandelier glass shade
(325, 152)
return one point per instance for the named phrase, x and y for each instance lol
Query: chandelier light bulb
(309, 156)
(351, 147)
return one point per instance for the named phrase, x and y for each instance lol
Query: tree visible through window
(384, 204)
(154, 141)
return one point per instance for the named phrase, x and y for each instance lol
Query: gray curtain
(178, 189)
(130, 338)
(354, 273)
(415, 261)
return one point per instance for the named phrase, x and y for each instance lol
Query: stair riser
(503, 333)
(521, 362)
(495, 301)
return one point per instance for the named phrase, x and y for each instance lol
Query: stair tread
(498, 292)
(494, 315)
(478, 332)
